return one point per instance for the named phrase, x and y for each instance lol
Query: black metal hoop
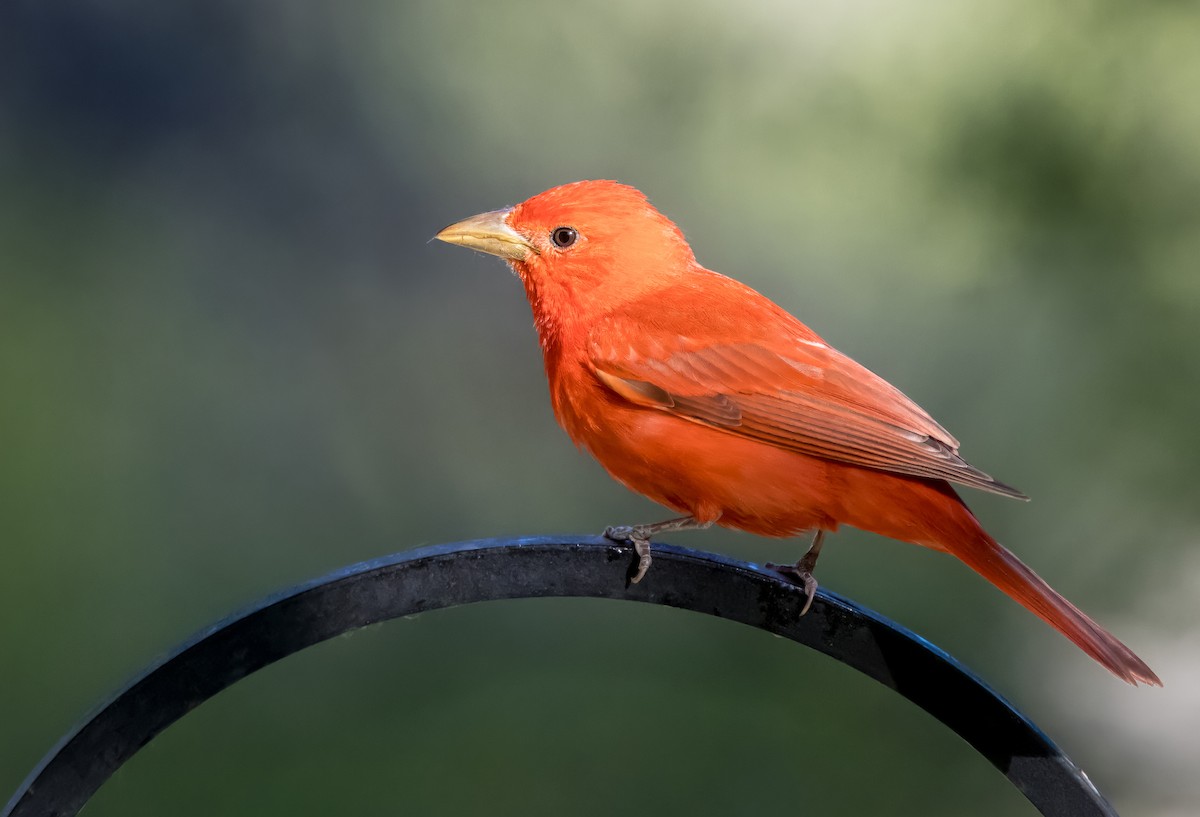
(448, 575)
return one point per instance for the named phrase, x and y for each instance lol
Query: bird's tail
(930, 513)
(994, 562)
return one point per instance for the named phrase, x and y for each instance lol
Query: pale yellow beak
(490, 233)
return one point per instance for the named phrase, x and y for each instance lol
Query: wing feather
(810, 399)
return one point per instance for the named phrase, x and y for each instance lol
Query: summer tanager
(703, 395)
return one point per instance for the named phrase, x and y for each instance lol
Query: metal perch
(432, 578)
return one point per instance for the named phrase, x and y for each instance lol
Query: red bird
(698, 392)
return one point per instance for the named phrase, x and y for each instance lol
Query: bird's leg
(639, 536)
(802, 571)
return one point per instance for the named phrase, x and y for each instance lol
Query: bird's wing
(800, 394)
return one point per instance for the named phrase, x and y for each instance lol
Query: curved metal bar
(447, 575)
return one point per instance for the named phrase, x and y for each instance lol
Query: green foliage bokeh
(232, 361)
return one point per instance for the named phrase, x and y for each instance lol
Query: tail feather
(994, 562)
(930, 513)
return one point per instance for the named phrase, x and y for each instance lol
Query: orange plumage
(708, 398)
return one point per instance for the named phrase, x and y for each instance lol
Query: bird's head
(590, 243)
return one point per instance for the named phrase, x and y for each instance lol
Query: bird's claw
(799, 575)
(641, 545)
(619, 533)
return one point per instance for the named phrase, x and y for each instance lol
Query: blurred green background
(231, 361)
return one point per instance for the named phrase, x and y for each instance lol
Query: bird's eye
(563, 236)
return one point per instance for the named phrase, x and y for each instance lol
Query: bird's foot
(640, 539)
(800, 575)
